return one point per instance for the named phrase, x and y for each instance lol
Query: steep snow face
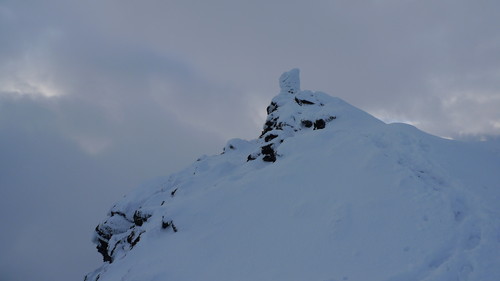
(345, 198)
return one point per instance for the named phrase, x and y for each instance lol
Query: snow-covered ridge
(326, 192)
(292, 111)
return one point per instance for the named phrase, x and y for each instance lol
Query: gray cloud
(97, 96)
(64, 161)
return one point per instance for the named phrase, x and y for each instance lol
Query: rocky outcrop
(123, 228)
(291, 111)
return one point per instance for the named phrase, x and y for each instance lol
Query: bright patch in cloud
(32, 87)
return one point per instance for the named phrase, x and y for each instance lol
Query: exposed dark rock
(112, 253)
(269, 126)
(132, 240)
(319, 124)
(230, 147)
(140, 218)
(270, 123)
(173, 192)
(117, 213)
(307, 123)
(167, 224)
(251, 158)
(267, 149)
(269, 158)
(102, 248)
(271, 108)
(301, 102)
(270, 137)
(269, 153)
(104, 233)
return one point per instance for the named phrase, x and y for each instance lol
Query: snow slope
(327, 192)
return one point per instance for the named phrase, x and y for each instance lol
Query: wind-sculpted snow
(326, 192)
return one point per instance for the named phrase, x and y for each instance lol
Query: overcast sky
(98, 96)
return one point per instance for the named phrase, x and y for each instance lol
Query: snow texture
(290, 82)
(327, 192)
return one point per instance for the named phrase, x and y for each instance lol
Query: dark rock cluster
(122, 230)
(291, 111)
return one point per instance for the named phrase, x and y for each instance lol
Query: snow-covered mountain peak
(295, 111)
(327, 192)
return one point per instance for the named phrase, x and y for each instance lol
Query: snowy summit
(326, 192)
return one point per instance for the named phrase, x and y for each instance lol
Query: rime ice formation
(326, 192)
(290, 82)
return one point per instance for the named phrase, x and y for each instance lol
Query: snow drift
(327, 192)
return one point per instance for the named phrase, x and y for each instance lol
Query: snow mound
(327, 192)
